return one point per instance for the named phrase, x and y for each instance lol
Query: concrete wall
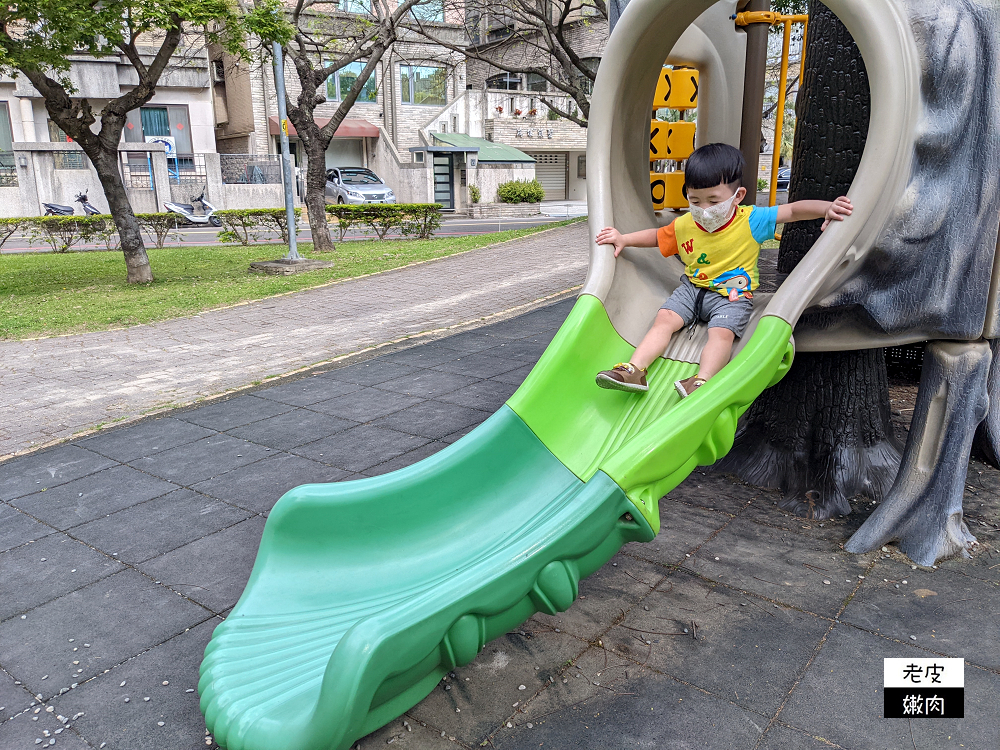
(488, 176)
(251, 196)
(411, 182)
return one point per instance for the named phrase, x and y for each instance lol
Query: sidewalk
(51, 389)
(737, 627)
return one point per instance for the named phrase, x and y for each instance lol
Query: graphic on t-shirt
(736, 281)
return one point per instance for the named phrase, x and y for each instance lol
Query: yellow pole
(779, 120)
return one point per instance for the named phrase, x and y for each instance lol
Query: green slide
(366, 593)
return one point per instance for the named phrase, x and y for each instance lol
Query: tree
(547, 39)
(824, 433)
(37, 40)
(323, 43)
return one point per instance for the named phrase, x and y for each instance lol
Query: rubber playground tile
(780, 565)
(613, 589)
(365, 405)
(23, 731)
(306, 391)
(481, 365)
(731, 649)
(422, 355)
(212, 570)
(427, 383)
(646, 710)
(159, 525)
(469, 342)
(449, 439)
(93, 496)
(47, 469)
(258, 486)
(119, 617)
(527, 349)
(486, 395)
(683, 528)
(714, 491)
(135, 725)
(52, 566)
(432, 419)
(416, 735)
(129, 442)
(372, 372)
(233, 412)
(946, 611)
(14, 698)
(482, 693)
(515, 377)
(292, 429)
(360, 448)
(209, 457)
(764, 510)
(779, 737)
(841, 699)
(17, 528)
(407, 459)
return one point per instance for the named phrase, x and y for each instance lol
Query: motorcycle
(186, 211)
(56, 209)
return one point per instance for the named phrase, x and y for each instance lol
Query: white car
(356, 185)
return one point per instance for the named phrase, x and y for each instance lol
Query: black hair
(714, 164)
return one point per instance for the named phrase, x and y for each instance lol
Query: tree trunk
(824, 433)
(316, 194)
(136, 260)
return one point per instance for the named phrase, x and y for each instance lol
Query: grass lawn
(54, 293)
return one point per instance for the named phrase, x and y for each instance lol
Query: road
(456, 227)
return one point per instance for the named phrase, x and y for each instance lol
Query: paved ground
(122, 551)
(53, 388)
(457, 227)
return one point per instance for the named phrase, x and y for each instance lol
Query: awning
(349, 128)
(489, 152)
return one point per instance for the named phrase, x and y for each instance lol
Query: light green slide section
(365, 593)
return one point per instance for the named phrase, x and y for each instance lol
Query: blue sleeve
(763, 222)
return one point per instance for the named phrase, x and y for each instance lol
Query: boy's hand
(838, 211)
(611, 236)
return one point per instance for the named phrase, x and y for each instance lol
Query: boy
(718, 241)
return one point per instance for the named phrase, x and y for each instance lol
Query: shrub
(474, 194)
(8, 227)
(762, 185)
(244, 225)
(158, 226)
(521, 191)
(412, 219)
(345, 214)
(421, 219)
(62, 232)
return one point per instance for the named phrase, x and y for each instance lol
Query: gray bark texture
(923, 510)
(824, 433)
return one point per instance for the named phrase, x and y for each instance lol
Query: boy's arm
(836, 210)
(642, 238)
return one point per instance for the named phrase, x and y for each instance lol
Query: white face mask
(713, 217)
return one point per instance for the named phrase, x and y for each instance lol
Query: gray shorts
(715, 308)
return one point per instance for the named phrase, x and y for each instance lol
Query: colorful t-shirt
(724, 260)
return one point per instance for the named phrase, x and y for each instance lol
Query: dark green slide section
(365, 593)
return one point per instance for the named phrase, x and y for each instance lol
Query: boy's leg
(654, 343)
(716, 353)
(726, 321)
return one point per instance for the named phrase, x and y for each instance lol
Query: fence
(8, 171)
(250, 169)
(187, 169)
(137, 170)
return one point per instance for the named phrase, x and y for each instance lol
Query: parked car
(784, 177)
(356, 185)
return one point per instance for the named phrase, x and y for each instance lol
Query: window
(340, 83)
(504, 82)
(429, 10)
(64, 159)
(167, 124)
(418, 157)
(585, 83)
(8, 173)
(537, 82)
(354, 6)
(581, 166)
(420, 84)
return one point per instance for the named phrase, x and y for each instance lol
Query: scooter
(56, 209)
(186, 211)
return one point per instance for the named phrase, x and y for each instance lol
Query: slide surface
(366, 593)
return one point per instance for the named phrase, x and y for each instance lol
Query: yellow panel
(658, 147)
(676, 89)
(680, 140)
(665, 190)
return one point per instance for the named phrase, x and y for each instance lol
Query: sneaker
(623, 377)
(689, 385)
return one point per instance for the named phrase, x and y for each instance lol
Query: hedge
(244, 225)
(411, 219)
(521, 191)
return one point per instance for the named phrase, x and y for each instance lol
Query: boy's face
(707, 197)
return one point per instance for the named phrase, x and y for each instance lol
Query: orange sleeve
(666, 240)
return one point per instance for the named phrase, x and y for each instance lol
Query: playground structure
(366, 593)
